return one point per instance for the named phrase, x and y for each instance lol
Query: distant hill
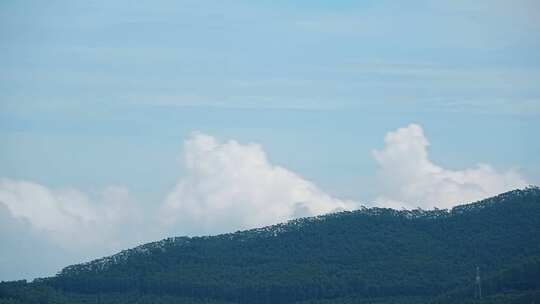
(372, 255)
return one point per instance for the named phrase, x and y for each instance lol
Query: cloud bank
(409, 179)
(225, 186)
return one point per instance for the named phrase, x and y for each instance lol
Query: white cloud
(230, 186)
(69, 217)
(226, 186)
(409, 179)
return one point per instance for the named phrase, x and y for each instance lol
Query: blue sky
(109, 93)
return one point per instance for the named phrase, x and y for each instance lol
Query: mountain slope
(410, 256)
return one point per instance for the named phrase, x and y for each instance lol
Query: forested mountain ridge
(371, 255)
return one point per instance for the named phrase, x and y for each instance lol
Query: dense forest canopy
(372, 255)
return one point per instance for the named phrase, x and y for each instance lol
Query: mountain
(371, 255)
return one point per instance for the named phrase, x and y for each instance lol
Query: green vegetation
(370, 255)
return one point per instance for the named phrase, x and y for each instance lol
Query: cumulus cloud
(70, 217)
(230, 186)
(409, 179)
(225, 186)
